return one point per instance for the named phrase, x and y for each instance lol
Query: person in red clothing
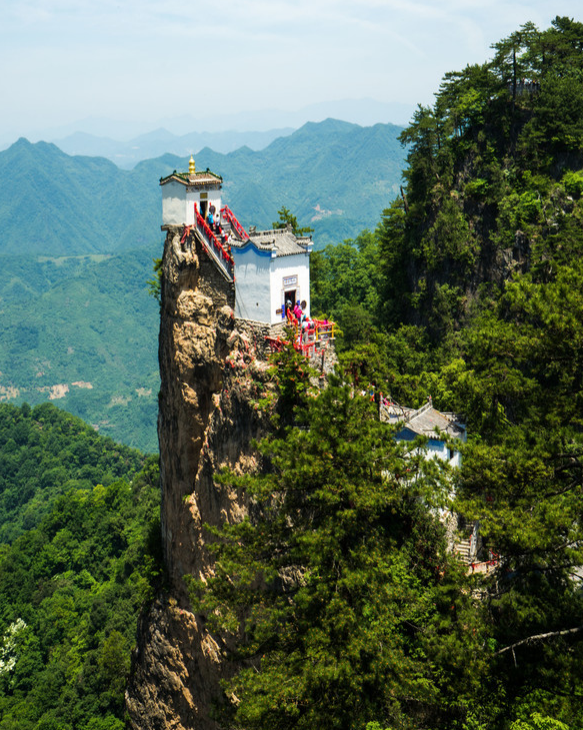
(289, 313)
(298, 312)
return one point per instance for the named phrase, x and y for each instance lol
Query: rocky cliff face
(212, 369)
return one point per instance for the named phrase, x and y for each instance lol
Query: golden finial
(191, 166)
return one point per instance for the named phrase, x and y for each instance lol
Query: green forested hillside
(45, 452)
(83, 331)
(471, 291)
(53, 204)
(494, 180)
(73, 581)
(56, 205)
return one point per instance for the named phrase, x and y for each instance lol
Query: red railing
(230, 216)
(221, 250)
(324, 329)
(307, 341)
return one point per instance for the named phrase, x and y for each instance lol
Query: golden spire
(191, 166)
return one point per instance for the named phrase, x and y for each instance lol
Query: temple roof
(281, 240)
(197, 179)
(426, 421)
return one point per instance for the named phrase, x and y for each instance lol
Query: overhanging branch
(539, 637)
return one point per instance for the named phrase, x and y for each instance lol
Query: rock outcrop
(213, 370)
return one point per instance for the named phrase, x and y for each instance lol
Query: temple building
(272, 269)
(442, 430)
(269, 268)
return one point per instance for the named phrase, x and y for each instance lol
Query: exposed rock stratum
(213, 368)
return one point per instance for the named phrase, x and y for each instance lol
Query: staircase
(462, 548)
(467, 546)
(223, 266)
(218, 253)
(227, 216)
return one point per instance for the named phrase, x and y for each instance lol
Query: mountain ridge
(152, 144)
(79, 235)
(80, 204)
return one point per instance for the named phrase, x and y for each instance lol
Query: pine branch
(539, 637)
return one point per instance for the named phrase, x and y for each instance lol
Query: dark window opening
(290, 296)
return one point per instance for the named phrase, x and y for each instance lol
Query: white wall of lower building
(434, 448)
(440, 450)
(289, 273)
(262, 280)
(252, 279)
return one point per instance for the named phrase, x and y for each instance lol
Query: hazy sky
(66, 60)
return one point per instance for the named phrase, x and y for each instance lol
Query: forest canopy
(470, 291)
(82, 515)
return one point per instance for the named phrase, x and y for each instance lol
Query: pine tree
(335, 592)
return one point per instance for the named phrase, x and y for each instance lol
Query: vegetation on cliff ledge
(353, 609)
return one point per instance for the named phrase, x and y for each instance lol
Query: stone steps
(462, 549)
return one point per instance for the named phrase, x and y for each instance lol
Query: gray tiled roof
(282, 240)
(199, 179)
(426, 420)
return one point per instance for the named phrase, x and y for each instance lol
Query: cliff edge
(213, 368)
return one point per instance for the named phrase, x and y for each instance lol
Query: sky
(147, 62)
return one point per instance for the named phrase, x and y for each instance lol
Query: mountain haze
(335, 176)
(78, 238)
(126, 154)
(363, 111)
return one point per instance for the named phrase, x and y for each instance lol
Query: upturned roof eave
(206, 179)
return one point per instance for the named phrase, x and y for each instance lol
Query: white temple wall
(252, 279)
(178, 202)
(173, 202)
(287, 273)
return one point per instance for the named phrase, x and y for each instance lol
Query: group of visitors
(295, 312)
(214, 223)
(296, 315)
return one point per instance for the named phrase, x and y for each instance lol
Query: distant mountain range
(335, 176)
(77, 238)
(161, 141)
(215, 119)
